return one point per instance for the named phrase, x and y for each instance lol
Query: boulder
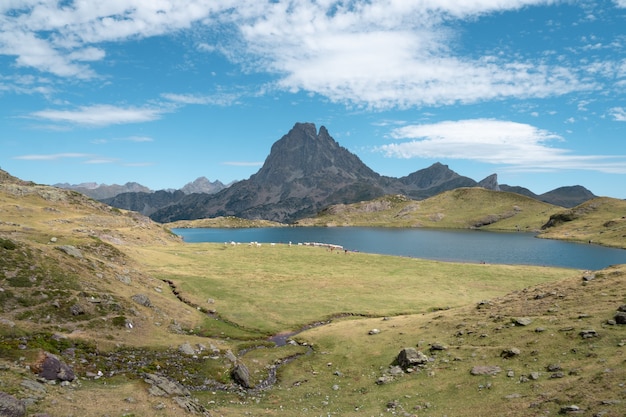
(410, 357)
(241, 375)
(50, 367)
(485, 370)
(71, 250)
(620, 317)
(142, 299)
(510, 353)
(11, 406)
(522, 321)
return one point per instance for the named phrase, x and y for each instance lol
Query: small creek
(279, 339)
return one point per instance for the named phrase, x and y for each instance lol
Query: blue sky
(161, 92)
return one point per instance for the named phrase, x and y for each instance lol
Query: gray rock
(510, 353)
(241, 375)
(77, 310)
(438, 346)
(589, 276)
(142, 299)
(587, 334)
(50, 367)
(569, 409)
(620, 317)
(124, 279)
(486, 370)
(622, 308)
(162, 386)
(187, 349)
(191, 405)
(11, 406)
(522, 321)
(71, 250)
(410, 357)
(373, 331)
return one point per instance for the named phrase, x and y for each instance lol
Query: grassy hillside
(460, 208)
(222, 222)
(601, 220)
(119, 298)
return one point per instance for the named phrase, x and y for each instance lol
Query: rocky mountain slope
(109, 192)
(306, 171)
(98, 315)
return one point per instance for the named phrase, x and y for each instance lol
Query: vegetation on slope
(122, 300)
(459, 208)
(601, 220)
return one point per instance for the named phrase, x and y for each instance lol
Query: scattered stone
(335, 387)
(71, 250)
(557, 375)
(569, 409)
(187, 349)
(11, 406)
(162, 386)
(622, 308)
(587, 334)
(231, 356)
(77, 310)
(438, 346)
(510, 353)
(522, 321)
(124, 279)
(510, 374)
(373, 331)
(33, 386)
(483, 304)
(486, 370)
(142, 299)
(589, 276)
(540, 330)
(620, 317)
(410, 357)
(51, 368)
(534, 376)
(513, 396)
(553, 367)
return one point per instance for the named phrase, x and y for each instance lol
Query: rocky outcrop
(51, 368)
(11, 406)
(306, 171)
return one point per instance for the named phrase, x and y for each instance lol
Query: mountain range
(307, 171)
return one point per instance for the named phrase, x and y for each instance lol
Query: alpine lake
(471, 246)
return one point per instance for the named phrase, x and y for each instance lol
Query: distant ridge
(306, 171)
(108, 193)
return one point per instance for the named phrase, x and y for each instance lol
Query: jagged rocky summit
(306, 171)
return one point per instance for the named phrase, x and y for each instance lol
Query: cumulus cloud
(100, 115)
(375, 54)
(618, 114)
(519, 146)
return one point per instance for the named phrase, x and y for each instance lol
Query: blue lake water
(444, 245)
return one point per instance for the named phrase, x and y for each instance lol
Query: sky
(161, 92)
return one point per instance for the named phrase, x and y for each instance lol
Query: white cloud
(519, 146)
(242, 164)
(100, 115)
(390, 54)
(51, 157)
(620, 3)
(375, 54)
(618, 113)
(220, 99)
